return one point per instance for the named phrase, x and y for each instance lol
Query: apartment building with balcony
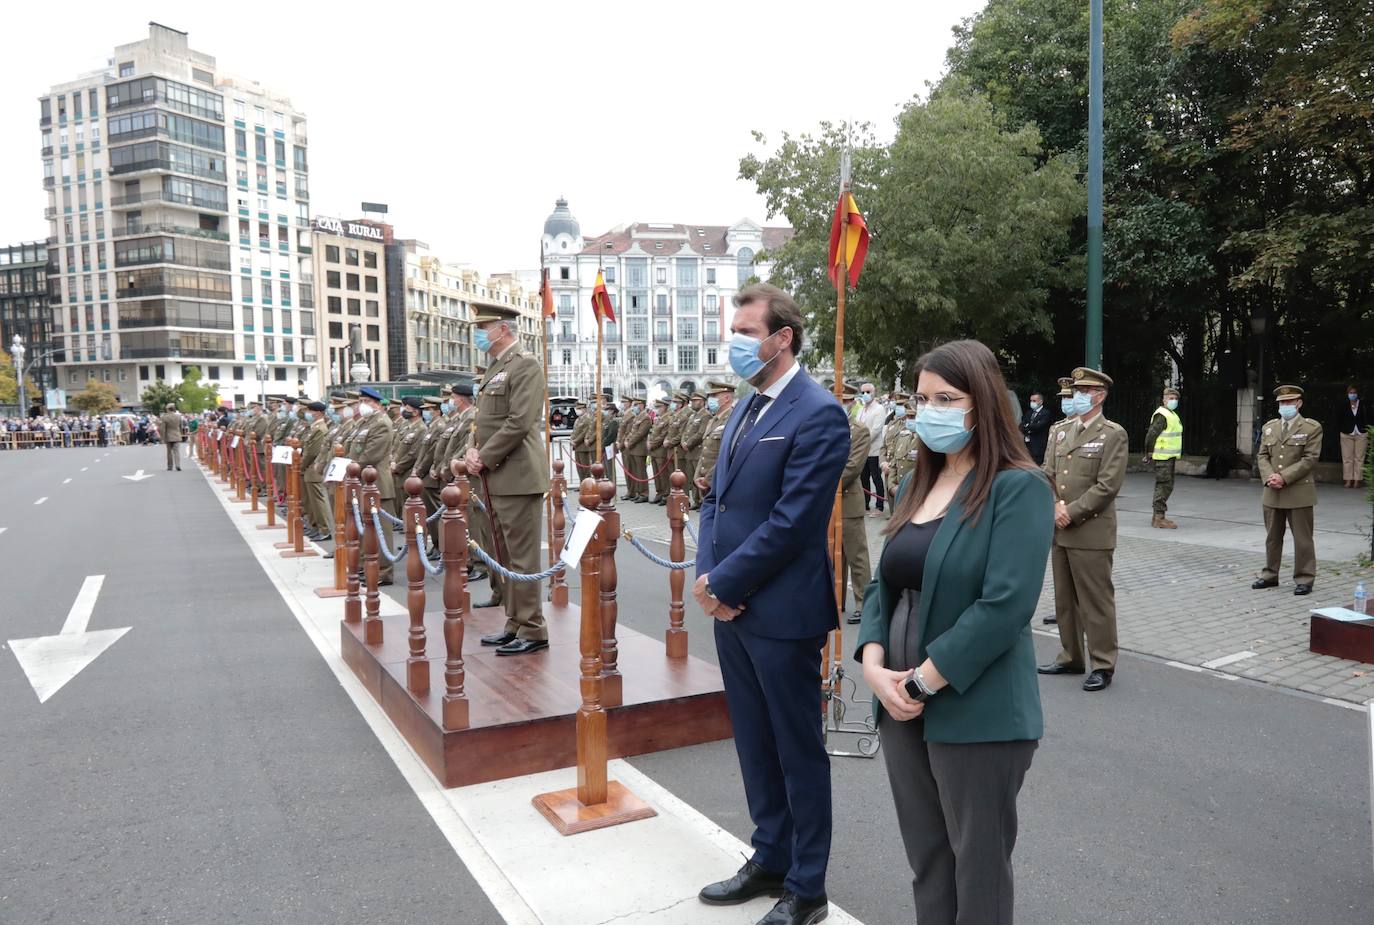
(161, 260)
(24, 308)
(671, 285)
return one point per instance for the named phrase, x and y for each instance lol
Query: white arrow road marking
(41, 500)
(138, 476)
(3, 529)
(50, 662)
(84, 468)
(65, 481)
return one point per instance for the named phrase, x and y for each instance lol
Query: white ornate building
(671, 286)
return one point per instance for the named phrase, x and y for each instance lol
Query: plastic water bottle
(1361, 598)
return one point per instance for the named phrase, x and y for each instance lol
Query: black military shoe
(751, 880)
(522, 646)
(855, 617)
(1302, 590)
(485, 604)
(1052, 618)
(1261, 583)
(793, 910)
(1099, 680)
(1056, 668)
(498, 639)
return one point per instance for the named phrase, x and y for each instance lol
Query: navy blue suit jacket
(763, 523)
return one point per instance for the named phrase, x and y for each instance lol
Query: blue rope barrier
(424, 560)
(435, 516)
(507, 574)
(385, 547)
(395, 521)
(358, 517)
(691, 531)
(657, 560)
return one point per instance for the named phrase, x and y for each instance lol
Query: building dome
(561, 221)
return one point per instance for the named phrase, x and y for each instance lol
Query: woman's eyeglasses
(939, 400)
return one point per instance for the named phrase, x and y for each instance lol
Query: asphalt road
(208, 768)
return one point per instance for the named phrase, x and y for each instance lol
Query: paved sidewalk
(1184, 595)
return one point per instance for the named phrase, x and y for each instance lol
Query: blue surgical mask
(1066, 406)
(744, 355)
(1172, 404)
(482, 339)
(1288, 412)
(865, 398)
(1353, 396)
(899, 411)
(911, 424)
(445, 407)
(427, 415)
(1035, 406)
(1082, 402)
(712, 404)
(942, 429)
(282, 414)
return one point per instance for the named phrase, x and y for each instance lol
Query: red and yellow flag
(856, 239)
(601, 299)
(547, 292)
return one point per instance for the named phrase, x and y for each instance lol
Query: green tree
(157, 396)
(196, 396)
(970, 226)
(96, 398)
(9, 387)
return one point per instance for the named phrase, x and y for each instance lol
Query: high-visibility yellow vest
(1169, 444)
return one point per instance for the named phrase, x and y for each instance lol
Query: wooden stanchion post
(613, 683)
(596, 802)
(454, 529)
(271, 487)
(413, 522)
(558, 490)
(372, 598)
(243, 465)
(352, 487)
(341, 515)
(676, 639)
(293, 505)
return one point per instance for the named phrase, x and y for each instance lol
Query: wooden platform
(1349, 640)
(522, 713)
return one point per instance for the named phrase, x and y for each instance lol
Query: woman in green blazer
(945, 638)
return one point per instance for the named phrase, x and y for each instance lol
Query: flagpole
(548, 427)
(834, 651)
(600, 280)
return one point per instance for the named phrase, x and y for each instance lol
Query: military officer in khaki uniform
(672, 436)
(437, 409)
(610, 432)
(636, 441)
(720, 401)
(855, 536)
(899, 446)
(658, 450)
(405, 448)
(263, 422)
(693, 433)
(280, 432)
(626, 424)
(583, 436)
(370, 445)
(314, 447)
(170, 424)
(1288, 451)
(508, 456)
(454, 450)
(1086, 463)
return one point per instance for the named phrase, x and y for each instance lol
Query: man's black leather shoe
(521, 646)
(1265, 583)
(1056, 668)
(793, 910)
(477, 574)
(498, 639)
(1302, 590)
(627, 497)
(751, 880)
(1052, 618)
(1099, 680)
(484, 604)
(855, 617)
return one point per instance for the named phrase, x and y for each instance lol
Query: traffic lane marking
(40, 500)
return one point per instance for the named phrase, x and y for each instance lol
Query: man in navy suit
(765, 575)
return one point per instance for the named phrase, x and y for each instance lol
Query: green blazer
(980, 587)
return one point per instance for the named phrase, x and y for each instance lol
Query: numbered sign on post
(234, 444)
(281, 455)
(338, 468)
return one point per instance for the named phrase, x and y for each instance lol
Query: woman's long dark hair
(996, 443)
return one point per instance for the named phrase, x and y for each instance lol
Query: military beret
(465, 389)
(369, 392)
(1087, 376)
(413, 401)
(1286, 392)
(289, 399)
(317, 406)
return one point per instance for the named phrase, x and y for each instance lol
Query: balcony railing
(663, 338)
(129, 231)
(199, 112)
(133, 199)
(137, 292)
(159, 163)
(205, 263)
(172, 353)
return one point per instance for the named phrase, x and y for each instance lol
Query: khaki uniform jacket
(860, 438)
(510, 431)
(657, 431)
(1087, 472)
(331, 438)
(429, 444)
(672, 436)
(406, 446)
(583, 434)
(314, 448)
(370, 445)
(626, 424)
(171, 423)
(636, 437)
(1294, 458)
(262, 424)
(694, 429)
(710, 444)
(455, 447)
(890, 435)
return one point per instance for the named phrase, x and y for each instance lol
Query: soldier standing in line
(854, 538)
(899, 448)
(509, 458)
(1087, 466)
(1288, 453)
(314, 447)
(281, 432)
(453, 452)
(693, 433)
(434, 411)
(406, 447)
(1163, 447)
(626, 425)
(262, 425)
(893, 431)
(610, 430)
(720, 402)
(636, 441)
(171, 424)
(370, 445)
(583, 436)
(672, 436)
(658, 451)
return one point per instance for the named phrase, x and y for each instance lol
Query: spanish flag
(856, 240)
(547, 292)
(601, 299)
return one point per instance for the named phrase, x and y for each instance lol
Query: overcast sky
(470, 119)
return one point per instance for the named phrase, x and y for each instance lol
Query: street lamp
(17, 348)
(263, 371)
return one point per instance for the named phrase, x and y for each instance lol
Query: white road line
(1229, 659)
(40, 500)
(1186, 667)
(1343, 703)
(84, 468)
(80, 614)
(65, 481)
(3, 529)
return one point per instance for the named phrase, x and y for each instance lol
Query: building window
(661, 302)
(370, 259)
(563, 273)
(687, 359)
(354, 307)
(612, 355)
(331, 253)
(567, 357)
(331, 279)
(352, 281)
(370, 283)
(661, 275)
(374, 332)
(335, 305)
(745, 263)
(710, 356)
(662, 356)
(638, 357)
(373, 309)
(351, 256)
(687, 274)
(336, 330)
(610, 274)
(126, 69)
(710, 276)
(279, 374)
(238, 109)
(686, 329)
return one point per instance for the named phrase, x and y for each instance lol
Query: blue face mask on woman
(942, 429)
(744, 355)
(1082, 402)
(712, 404)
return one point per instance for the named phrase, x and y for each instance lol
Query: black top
(1353, 420)
(904, 557)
